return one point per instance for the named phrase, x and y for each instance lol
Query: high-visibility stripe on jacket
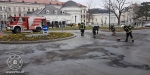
(82, 26)
(128, 29)
(112, 28)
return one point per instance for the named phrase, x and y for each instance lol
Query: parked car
(147, 24)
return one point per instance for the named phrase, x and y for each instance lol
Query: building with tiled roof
(101, 17)
(70, 13)
(21, 7)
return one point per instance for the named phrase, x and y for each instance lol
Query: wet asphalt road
(84, 55)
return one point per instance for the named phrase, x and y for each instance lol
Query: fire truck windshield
(20, 19)
(12, 19)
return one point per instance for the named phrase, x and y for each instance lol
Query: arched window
(33, 9)
(55, 12)
(47, 11)
(28, 9)
(63, 12)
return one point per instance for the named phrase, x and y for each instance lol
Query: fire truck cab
(20, 24)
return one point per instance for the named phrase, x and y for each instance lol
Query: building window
(55, 12)
(33, 9)
(63, 12)
(28, 9)
(84, 16)
(24, 9)
(14, 14)
(1, 16)
(19, 8)
(9, 9)
(19, 14)
(3, 8)
(4, 16)
(0, 8)
(47, 11)
(14, 8)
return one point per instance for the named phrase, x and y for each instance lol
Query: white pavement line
(92, 69)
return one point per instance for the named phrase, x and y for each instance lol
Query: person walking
(97, 29)
(128, 32)
(112, 27)
(94, 29)
(82, 28)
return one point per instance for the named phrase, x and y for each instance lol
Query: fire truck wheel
(38, 29)
(17, 30)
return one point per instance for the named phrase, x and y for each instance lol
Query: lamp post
(0, 19)
(109, 14)
(75, 19)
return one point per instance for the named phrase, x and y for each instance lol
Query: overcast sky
(99, 2)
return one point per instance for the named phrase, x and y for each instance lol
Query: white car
(147, 24)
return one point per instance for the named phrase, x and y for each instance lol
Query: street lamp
(75, 19)
(96, 21)
(0, 16)
(109, 14)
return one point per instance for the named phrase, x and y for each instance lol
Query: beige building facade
(20, 8)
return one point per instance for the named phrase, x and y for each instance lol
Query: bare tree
(116, 7)
(90, 5)
(135, 8)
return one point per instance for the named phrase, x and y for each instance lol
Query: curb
(34, 42)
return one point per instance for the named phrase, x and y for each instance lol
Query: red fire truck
(21, 24)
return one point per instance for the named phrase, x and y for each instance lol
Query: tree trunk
(118, 21)
(146, 18)
(119, 17)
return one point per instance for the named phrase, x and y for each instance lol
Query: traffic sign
(45, 28)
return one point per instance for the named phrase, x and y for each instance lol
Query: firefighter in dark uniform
(94, 29)
(97, 29)
(128, 32)
(43, 23)
(82, 28)
(112, 27)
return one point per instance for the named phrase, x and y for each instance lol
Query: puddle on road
(116, 60)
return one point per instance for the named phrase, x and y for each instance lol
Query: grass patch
(71, 28)
(23, 37)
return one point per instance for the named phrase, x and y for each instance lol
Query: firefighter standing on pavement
(97, 29)
(94, 29)
(112, 27)
(43, 22)
(128, 32)
(82, 28)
